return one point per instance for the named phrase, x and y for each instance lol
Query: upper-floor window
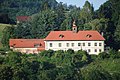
(60, 44)
(89, 44)
(79, 44)
(83, 44)
(100, 44)
(72, 44)
(95, 44)
(50, 44)
(67, 44)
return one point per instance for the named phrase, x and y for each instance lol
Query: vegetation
(48, 15)
(59, 65)
(24, 7)
(2, 27)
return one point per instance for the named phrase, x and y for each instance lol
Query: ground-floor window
(50, 44)
(95, 50)
(89, 50)
(100, 50)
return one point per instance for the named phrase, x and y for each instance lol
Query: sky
(80, 3)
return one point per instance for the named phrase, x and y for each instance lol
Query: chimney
(74, 27)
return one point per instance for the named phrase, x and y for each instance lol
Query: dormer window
(37, 45)
(88, 36)
(61, 36)
(13, 45)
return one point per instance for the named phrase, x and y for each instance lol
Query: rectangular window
(67, 44)
(95, 44)
(79, 44)
(72, 44)
(83, 44)
(89, 44)
(60, 45)
(100, 50)
(100, 44)
(89, 50)
(95, 50)
(50, 44)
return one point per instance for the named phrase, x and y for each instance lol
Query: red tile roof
(27, 43)
(22, 18)
(69, 35)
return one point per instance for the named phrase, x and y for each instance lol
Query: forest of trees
(60, 65)
(24, 7)
(49, 15)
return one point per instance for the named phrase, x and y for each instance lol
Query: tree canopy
(57, 65)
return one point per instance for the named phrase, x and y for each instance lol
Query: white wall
(26, 50)
(55, 46)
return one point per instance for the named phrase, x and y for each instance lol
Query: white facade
(25, 50)
(92, 47)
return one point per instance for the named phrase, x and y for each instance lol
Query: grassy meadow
(2, 26)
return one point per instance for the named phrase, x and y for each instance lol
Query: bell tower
(74, 27)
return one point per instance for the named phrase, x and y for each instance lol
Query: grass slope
(2, 26)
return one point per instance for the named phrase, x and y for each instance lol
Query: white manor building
(90, 41)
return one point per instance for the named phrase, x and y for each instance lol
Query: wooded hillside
(50, 15)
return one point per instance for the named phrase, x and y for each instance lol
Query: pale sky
(80, 3)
